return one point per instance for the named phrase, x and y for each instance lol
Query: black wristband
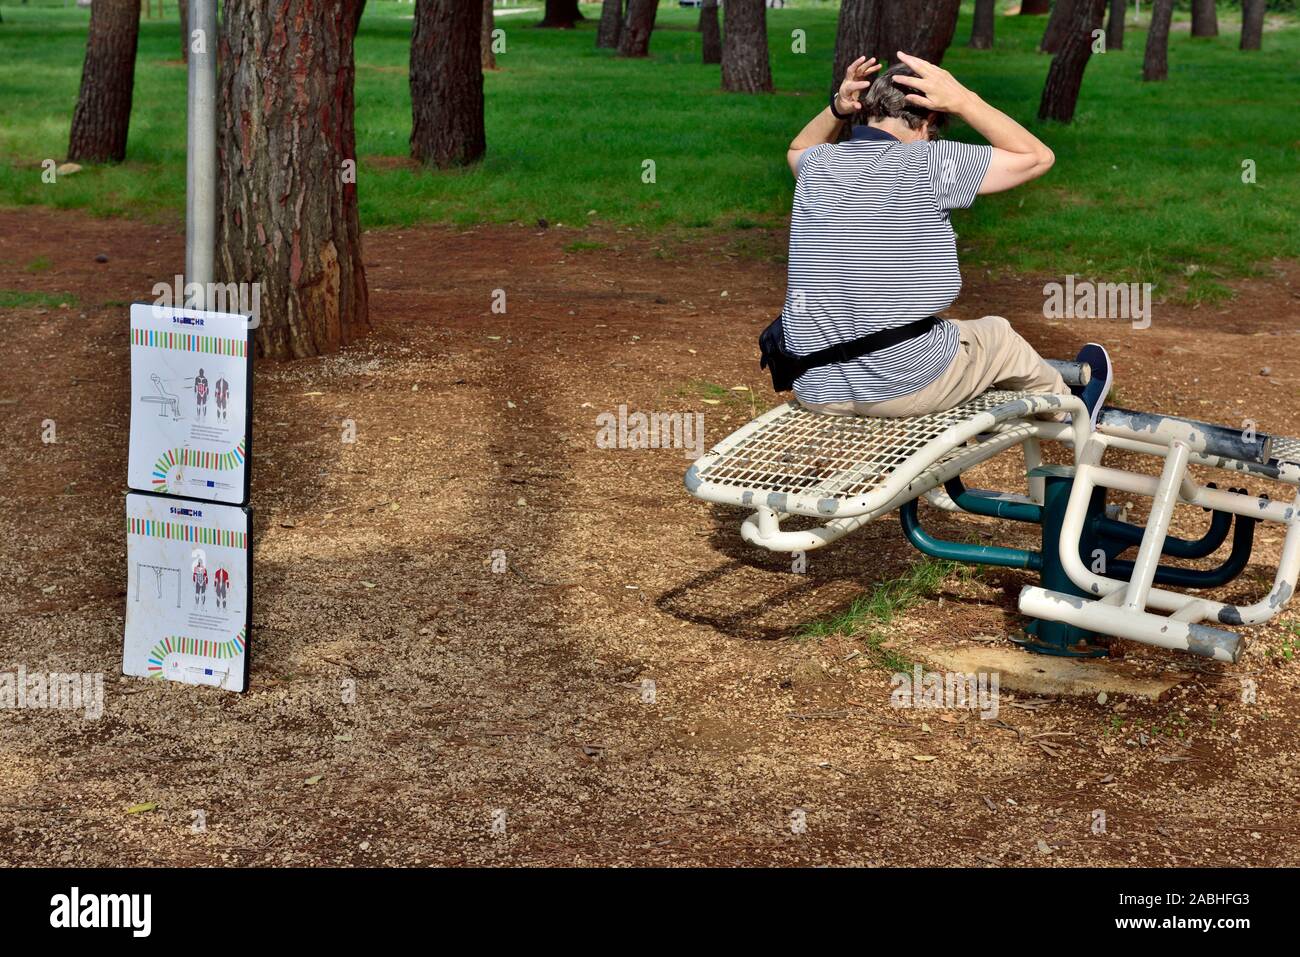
(836, 113)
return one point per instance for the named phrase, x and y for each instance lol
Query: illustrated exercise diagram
(201, 396)
(166, 401)
(199, 572)
(160, 574)
(170, 404)
(221, 586)
(221, 393)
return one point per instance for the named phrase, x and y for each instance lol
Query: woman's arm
(825, 126)
(1018, 155)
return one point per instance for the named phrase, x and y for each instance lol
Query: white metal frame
(1128, 609)
(752, 469)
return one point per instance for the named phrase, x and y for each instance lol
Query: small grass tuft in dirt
(583, 245)
(18, 299)
(869, 614)
(1290, 644)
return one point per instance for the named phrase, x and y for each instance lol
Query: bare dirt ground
(522, 690)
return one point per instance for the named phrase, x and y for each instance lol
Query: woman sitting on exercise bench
(873, 256)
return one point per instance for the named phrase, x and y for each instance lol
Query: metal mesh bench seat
(1286, 450)
(799, 462)
(1286, 460)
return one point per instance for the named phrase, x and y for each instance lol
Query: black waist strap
(857, 348)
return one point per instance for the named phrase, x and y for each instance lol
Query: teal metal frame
(1104, 539)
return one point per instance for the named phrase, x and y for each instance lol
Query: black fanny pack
(785, 367)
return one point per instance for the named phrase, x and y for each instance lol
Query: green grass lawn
(1148, 182)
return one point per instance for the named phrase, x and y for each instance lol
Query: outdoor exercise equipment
(790, 466)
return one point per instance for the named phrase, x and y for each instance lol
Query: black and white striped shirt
(871, 248)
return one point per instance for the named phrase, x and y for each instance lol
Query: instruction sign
(189, 591)
(191, 401)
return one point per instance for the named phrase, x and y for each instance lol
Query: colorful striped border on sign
(182, 532)
(189, 342)
(213, 461)
(184, 645)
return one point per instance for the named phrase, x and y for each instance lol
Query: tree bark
(1115, 24)
(1065, 76)
(560, 14)
(745, 63)
(858, 34)
(881, 28)
(1035, 7)
(447, 83)
(711, 33)
(286, 144)
(1057, 24)
(184, 6)
(922, 28)
(103, 113)
(1205, 19)
(487, 59)
(981, 31)
(1155, 62)
(611, 24)
(638, 24)
(1252, 23)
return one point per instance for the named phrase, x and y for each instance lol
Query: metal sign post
(191, 437)
(201, 152)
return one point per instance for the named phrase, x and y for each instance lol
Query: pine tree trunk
(447, 83)
(922, 28)
(711, 32)
(745, 64)
(1115, 25)
(1035, 7)
(561, 14)
(611, 24)
(1252, 23)
(1205, 19)
(184, 6)
(487, 59)
(981, 31)
(638, 24)
(858, 34)
(1155, 62)
(1057, 24)
(878, 28)
(103, 114)
(287, 217)
(1065, 76)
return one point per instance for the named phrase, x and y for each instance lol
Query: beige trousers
(991, 354)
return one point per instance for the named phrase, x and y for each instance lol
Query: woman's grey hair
(885, 98)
